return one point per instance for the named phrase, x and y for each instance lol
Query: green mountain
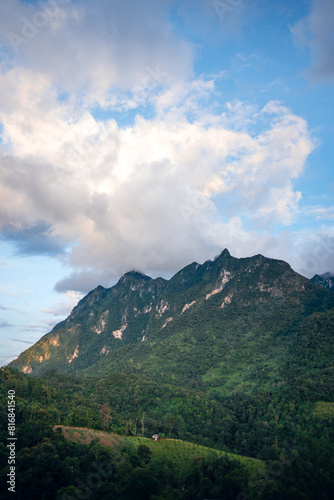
(229, 324)
(235, 355)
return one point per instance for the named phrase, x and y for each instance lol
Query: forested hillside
(291, 434)
(235, 355)
(200, 323)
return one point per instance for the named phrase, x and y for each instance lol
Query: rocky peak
(134, 275)
(224, 255)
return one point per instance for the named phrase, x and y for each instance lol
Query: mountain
(325, 280)
(229, 324)
(233, 354)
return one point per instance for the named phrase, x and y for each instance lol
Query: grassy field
(181, 453)
(184, 453)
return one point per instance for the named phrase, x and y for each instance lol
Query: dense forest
(293, 437)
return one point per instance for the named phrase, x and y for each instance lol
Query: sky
(148, 134)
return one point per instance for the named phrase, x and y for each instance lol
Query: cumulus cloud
(64, 306)
(316, 33)
(107, 43)
(83, 281)
(143, 196)
(313, 251)
(177, 183)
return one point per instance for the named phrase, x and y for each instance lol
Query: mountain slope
(181, 452)
(228, 323)
(102, 321)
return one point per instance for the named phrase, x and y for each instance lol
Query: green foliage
(243, 392)
(291, 434)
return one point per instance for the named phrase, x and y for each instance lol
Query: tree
(105, 416)
(144, 453)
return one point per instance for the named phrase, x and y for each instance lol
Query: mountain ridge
(209, 307)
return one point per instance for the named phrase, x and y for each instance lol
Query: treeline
(253, 425)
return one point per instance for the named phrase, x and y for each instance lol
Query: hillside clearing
(182, 453)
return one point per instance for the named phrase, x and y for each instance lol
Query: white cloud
(5, 360)
(319, 212)
(146, 195)
(107, 44)
(313, 251)
(64, 307)
(316, 33)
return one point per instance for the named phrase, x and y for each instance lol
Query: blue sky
(147, 135)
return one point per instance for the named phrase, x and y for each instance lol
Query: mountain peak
(135, 275)
(224, 255)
